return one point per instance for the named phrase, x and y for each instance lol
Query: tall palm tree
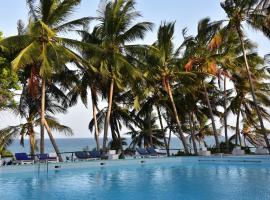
(201, 55)
(117, 26)
(89, 79)
(161, 63)
(121, 116)
(42, 47)
(241, 104)
(28, 109)
(238, 12)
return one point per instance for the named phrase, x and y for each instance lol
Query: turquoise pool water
(171, 179)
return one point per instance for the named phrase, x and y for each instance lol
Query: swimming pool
(166, 178)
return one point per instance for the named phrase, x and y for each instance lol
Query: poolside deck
(43, 167)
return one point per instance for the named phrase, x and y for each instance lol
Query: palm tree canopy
(40, 43)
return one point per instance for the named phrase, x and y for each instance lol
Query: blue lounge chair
(23, 158)
(83, 155)
(153, 152)
(95, 154)
(44, 157)
(143, 152)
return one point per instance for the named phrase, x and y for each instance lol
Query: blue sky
(186, 13)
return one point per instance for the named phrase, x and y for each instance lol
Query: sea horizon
(79, 144)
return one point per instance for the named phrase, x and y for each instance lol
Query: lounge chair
(83, 155)
(23, 158)
(204, 152)
(261, 150)
(47, 158)
(152, 152)
(238, 152)
(144, 153)
(112, 155)
(95, 154)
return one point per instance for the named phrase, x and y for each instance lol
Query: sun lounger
(261, 151)
(153, 152)
(83, 155)
(47, 158)
(23, 158)
(112, 155)
(95, 154)
(144, 153)
(238, 152)
(203, 152)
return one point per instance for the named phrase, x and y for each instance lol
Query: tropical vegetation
(189, 90)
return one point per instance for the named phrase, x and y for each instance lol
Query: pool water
(167, 180)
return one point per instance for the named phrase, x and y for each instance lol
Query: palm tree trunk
(225, 114)
(263, 130)
(53, 141)
(163, 132)
(245, 143)
(237, 126)
(42, 143)
(192, 131)
(108, 116)
(120, 142)
(239, 138)
(150, 128)
(169, 141)
(96, 126)
(182, 137)
(44, 122)
(32, 141)
(212, 117)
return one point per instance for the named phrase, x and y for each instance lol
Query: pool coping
(40, 168)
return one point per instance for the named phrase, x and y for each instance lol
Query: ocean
(79, 144)
(73, 144)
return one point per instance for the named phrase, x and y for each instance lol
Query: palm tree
(89, 79)
(42, 48)
(117, 27)
(201, 55)
(148, 134)
(241, 104)
(161, 68)
(28, 109)
(238, 12)
(121, 116)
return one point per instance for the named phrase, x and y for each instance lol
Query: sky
(186, 13)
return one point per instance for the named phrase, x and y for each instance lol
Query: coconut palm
(161, 69)
(241, 104)
(239, 12)
(41, 46)
(121, 117)
(28, 110)
(117, 26)
(202, 56)
(147, 133)
(89, 79)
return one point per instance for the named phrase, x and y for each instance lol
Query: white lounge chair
(204, 152)
(237, 151)
(261, 150)
(53, 158)
(112, 155)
